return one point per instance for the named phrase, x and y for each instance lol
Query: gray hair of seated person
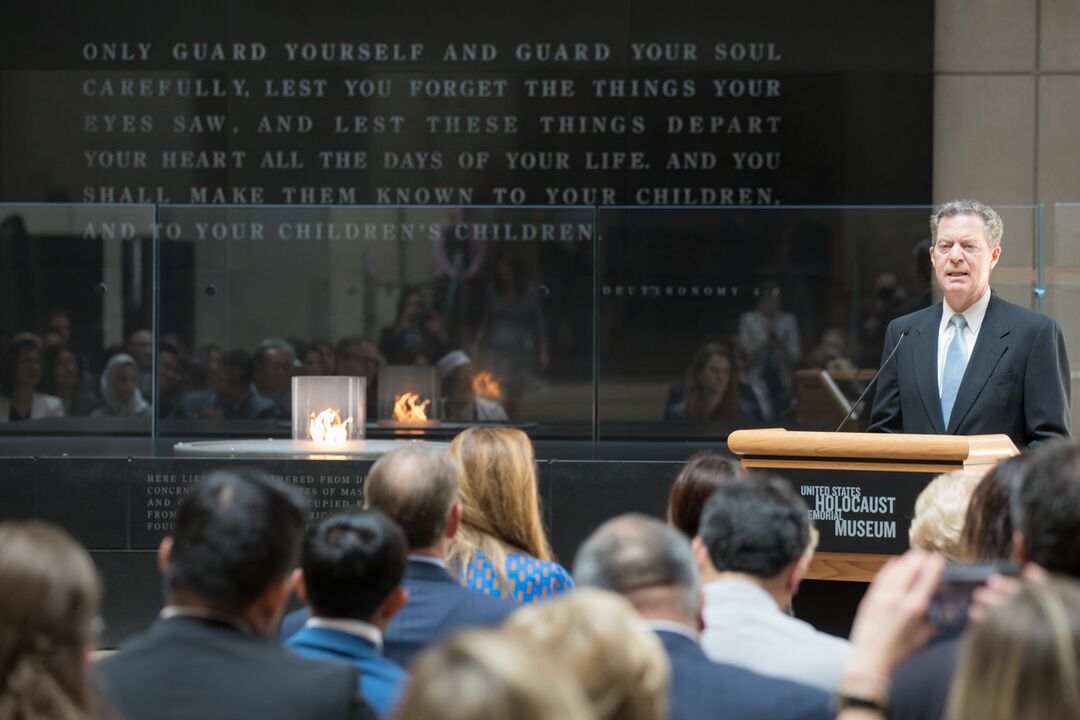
(635, 552)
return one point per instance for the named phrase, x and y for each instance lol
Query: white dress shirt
(745, 627)
(356, 628)
(974, 316)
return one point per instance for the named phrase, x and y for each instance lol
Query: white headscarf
(137, 405)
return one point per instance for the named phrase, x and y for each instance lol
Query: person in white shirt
(751, 552)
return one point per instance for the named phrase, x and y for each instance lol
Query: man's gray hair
(995, 229)
(634, 552)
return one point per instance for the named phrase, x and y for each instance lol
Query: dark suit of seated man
(228, 573)
(974, 364)
(652, 565)
(417, 487)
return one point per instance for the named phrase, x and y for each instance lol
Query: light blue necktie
(955, 363)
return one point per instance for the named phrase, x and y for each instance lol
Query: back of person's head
(940, 510)
(697, 480)
(352, 562)
(644, 560)
(1046, 509)
(500, 502)
(237, 533)
(988, 528)
(417, 488)
(758, 526)
(488, 675)
(601, 640)
(1023, 660)
(50, 599)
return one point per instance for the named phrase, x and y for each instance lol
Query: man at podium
(973, 364)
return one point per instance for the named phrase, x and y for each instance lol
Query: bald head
(646, 561)
(416, 487)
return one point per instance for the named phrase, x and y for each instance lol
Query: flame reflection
(408, 408)
(328, 428)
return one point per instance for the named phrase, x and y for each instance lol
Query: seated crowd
(440, 599)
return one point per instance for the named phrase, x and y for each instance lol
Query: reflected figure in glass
(120, 389)
(63, 378)
(715, 391)
(770, 338)
(20, 377)
(513, 338)
(463, 400)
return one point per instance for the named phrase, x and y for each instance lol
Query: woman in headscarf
(120, 389)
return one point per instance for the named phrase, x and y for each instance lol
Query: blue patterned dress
(529, 579)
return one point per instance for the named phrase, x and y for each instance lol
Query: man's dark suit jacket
(1017, 379)
(920, 687)
(701, 688)
(437, 605)
(187, 667)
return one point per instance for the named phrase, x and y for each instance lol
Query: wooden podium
(861, 487)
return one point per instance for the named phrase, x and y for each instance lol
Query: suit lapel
(984, 358)
(925, 347)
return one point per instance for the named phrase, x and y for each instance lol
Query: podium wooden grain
(779, 449)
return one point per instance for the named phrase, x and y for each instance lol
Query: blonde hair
(600, 637)
(500, 502)
(1023, 661)
(485, 675)
(940, 510)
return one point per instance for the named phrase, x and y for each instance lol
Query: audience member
(63, 378)
(512, 339)
(310, 361)
(228, 574)
(1023, 660)
(120, 389)
(19, 379)
(412, 339)
(460, 401)
(359, 357)
(714, 391)
(988, 529)
(274, 360)
(501, 548)
(596, 634)
(417, 488)
(50, 603)
(751, 550)
(770, 338)
(140, 346)
(697, 480)
(874, 317)
(940, 510)
(352, 565)
(652, 566)
(890, 624)
(206, 367)
(1044, 511)
(486, 675)
(234, 400)
(170, 379)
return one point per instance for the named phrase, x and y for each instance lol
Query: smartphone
(952, 599)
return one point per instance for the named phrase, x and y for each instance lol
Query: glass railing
(76, 321)
(174, 322)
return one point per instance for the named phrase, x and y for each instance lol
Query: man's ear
(393, 603)
(164, 553)
(453, 522)
(1020, 548)
(798, 571)
(701, 555)
(300, 586)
